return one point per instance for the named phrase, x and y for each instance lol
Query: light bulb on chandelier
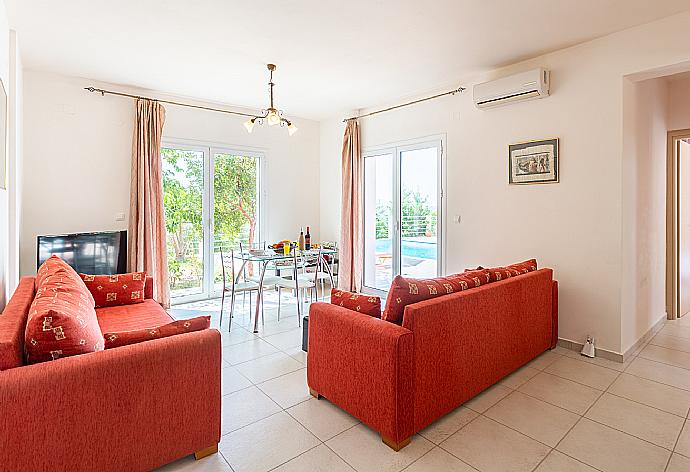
(272, 115)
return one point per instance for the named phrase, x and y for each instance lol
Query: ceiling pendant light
(271, 115)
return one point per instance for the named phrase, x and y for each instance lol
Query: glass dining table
(267, 258)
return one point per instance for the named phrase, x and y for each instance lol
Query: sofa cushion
(123, 338)
(367, 304)
(62, 320)
(405, 291)
(500, 273)
(148, 314)
(53, 264)
(116, 289)
(13, 324)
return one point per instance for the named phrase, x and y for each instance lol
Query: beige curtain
(350, 256)
(147, 248)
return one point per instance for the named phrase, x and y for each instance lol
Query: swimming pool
(421, 248)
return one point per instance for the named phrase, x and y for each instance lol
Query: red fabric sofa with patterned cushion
(133, 407)
(398, 379)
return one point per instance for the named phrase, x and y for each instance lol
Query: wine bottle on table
(307, 240)
(300, 241)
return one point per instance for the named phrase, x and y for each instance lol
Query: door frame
(672, 222)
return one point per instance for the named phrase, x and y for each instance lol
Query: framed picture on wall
(533, 162)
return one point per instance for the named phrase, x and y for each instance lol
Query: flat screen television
(88, 253)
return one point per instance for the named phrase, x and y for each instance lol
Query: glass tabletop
(270, 255)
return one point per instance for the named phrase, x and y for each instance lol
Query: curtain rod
(188, 105)
(450, 92)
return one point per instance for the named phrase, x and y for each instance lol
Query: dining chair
(318, 277)
(294, 283)
(269, 280)
(228, 265)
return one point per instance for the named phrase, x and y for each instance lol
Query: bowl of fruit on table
(279, 247)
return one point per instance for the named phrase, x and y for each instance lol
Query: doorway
(678, 224)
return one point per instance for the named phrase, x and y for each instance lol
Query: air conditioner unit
(519, 87)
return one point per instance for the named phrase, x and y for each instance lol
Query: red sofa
(400, 379)
(130, 408)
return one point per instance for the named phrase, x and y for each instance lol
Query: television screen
(88, 253)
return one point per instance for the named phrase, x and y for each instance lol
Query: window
(402, 213)
(212, 201)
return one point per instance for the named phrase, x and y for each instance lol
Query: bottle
(307, 240)
(300, 241)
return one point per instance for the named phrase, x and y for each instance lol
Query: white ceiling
(331, 56)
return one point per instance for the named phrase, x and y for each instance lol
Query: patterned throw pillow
(500, 273)
(62, 321)
(118, 289)
(367, 304)
(405, 291)
(123, 338)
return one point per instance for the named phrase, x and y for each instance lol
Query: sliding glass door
(212, 203)
(402, 217)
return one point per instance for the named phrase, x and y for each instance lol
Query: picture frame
(533, 162)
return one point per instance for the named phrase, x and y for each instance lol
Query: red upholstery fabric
(52, 265)
(500, 273)
(62, 320)
(364, 365)
(367, 304)
(405, 291)
(124, 338)
(554, 314)
(13, 324)
(129, 409)
(447, 350)
(117, 289)
(130, 317)
(148, 288)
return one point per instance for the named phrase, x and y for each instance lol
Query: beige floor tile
(610, 450)
(286, 323)
(676, 330)
(583, 372)
(266, 444)
(438, 460)
(322, 418)
(286, 340)
(449, 424)
(212, 463)
(362, 449)
(492, 447)
(667, 356)
(539, 420)
(287, 390)
(487, 398)
(544, 360)
(319, 459)
(236, 336)
(269, 367)
(244, 407)
(247, 351)
(297, 353)
(603, 362)
(566, 352)
(664, 397)
(519, 377)
(659, 372)
(678, 463)
(231, 380)
(683, 446)
(559, 462)
(671, 342)
(561, 392)
(642, 421)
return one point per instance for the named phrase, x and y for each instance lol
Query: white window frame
(396, 149)
(209, 151)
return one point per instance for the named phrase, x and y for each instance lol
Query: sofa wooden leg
(207, 451)
(314, 394)
(395, 445)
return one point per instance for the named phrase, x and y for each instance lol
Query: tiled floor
(560, 413)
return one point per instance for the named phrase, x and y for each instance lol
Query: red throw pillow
(51, 266)
(500, 273)
(117, 289)
(367, 304)
(404, 291)
(123, 338)
(62, 321)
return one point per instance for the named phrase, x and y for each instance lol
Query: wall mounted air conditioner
(514, 88)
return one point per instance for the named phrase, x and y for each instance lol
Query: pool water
(422, 248)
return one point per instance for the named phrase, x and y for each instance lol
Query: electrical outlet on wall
(119, 216)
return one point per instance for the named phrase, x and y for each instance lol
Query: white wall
(78, 153)
(575, 226)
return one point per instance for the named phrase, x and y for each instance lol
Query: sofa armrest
(148, 287)
(364, 365)
(133, 408)
(554, 313)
